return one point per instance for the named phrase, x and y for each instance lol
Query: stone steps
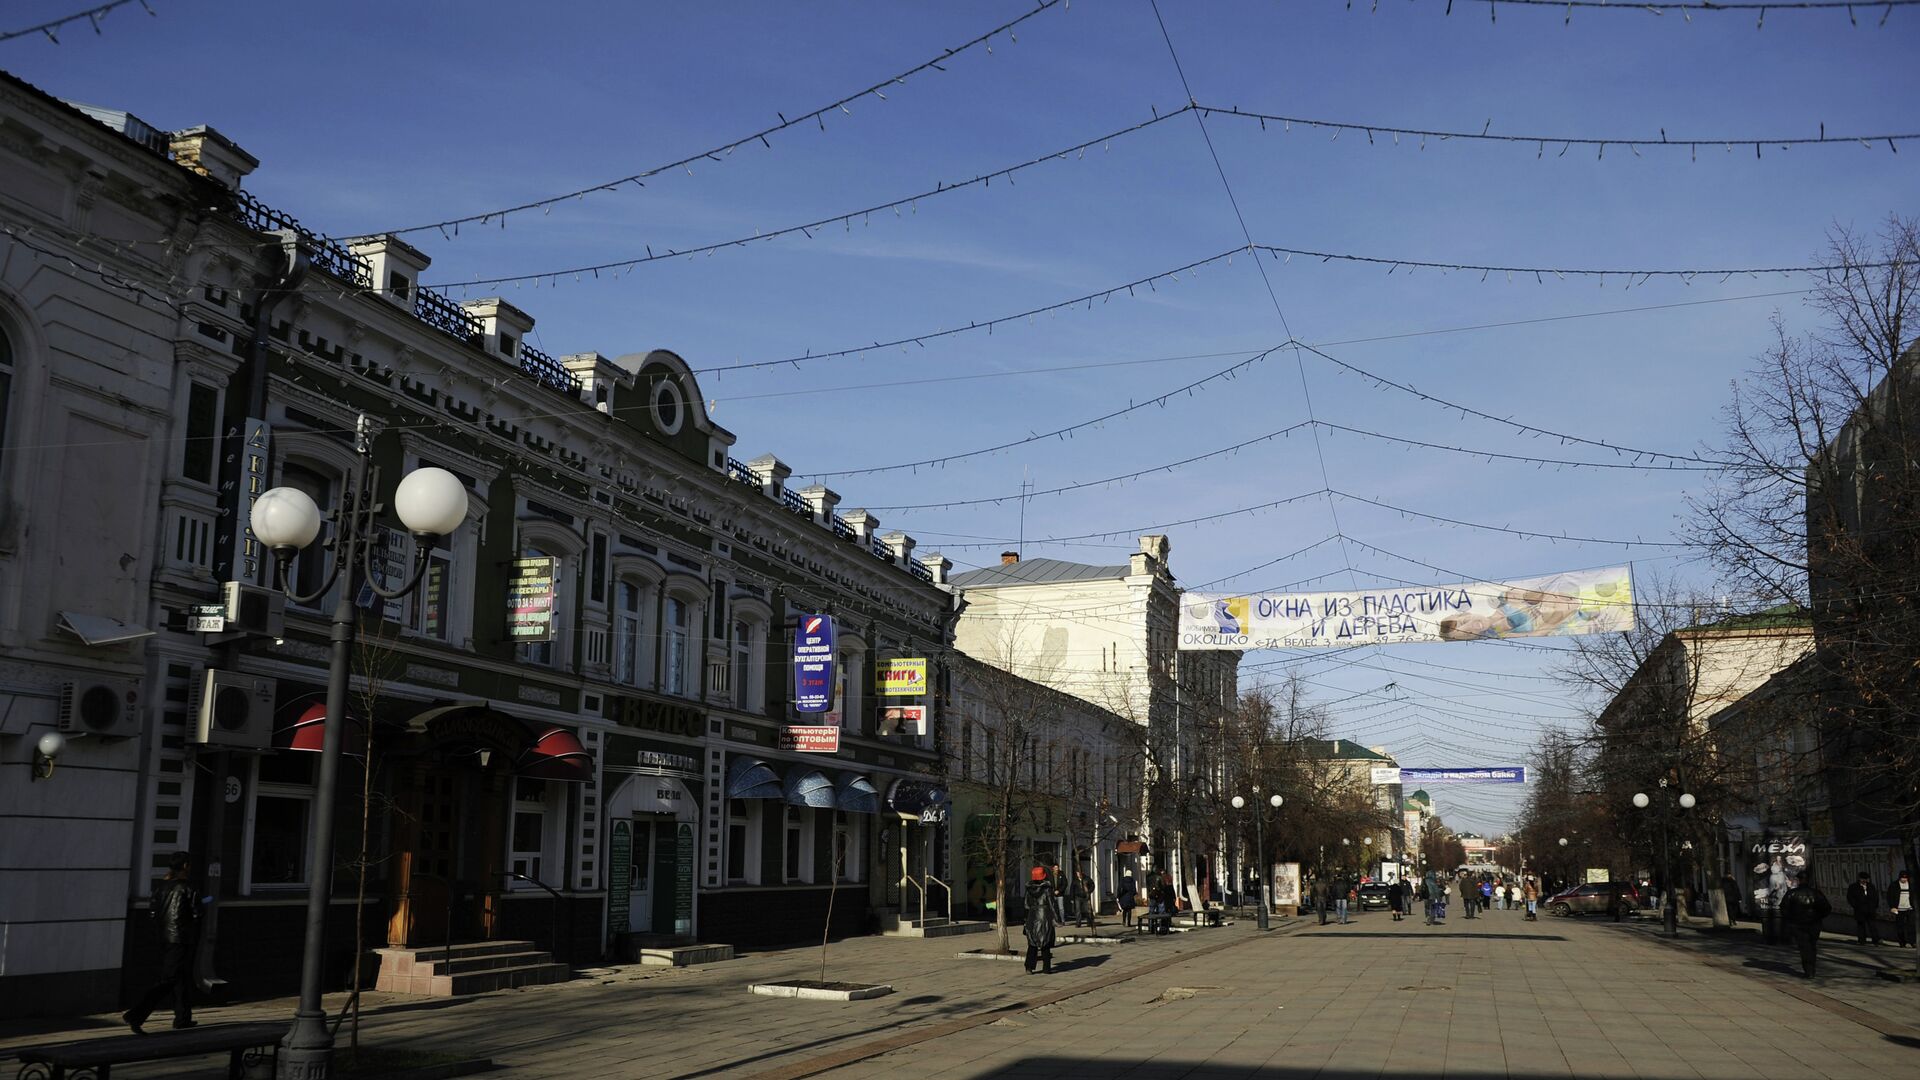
(472, 968)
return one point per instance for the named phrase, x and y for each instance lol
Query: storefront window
(529, 828)
(279, 840)
(743, 864)
(848, 851)
(796, 863)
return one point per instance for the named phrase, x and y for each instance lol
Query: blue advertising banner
(1415, 777)
(813, 664)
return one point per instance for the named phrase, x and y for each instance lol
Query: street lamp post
(1260, 849)
(431, 503)
(1670, 914)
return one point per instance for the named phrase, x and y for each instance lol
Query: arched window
(543, 539)
(309, 567)
(676, 645)
(747, 652)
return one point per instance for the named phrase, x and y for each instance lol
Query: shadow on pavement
(1081, 962)
(1778, 967)
(1074, 1068)
(1430, 935)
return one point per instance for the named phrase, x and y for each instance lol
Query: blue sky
(372, 116)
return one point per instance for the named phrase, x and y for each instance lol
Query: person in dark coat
(1124, 897)
(1322, 898)
(1864, 898)
(176, 917)
(1397, 899)
(1083, 894)
(1042, 919)
(1732, 893)
(1803, 910)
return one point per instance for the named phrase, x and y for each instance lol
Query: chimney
(212, 155)
(396, 266)
(1008, 558)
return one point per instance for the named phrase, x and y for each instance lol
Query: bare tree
(375, 660)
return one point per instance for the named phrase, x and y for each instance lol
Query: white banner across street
(1559, 605)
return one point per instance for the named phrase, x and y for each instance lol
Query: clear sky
(372, 116)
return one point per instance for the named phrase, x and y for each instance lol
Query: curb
(815, 993)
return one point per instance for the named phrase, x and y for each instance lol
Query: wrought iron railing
(919, 569)
(325, 253)
(795, 503)
(737, 470)
(446, 316)
(547, 371)
(843, 530)
(879, 550)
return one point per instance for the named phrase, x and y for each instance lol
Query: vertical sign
(813, 680)
(620, 878)
(530, 587)
(240, 553)
(683, 881)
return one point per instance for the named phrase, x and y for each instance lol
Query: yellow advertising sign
(901, 678)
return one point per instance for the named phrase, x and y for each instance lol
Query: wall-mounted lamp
(44, 753)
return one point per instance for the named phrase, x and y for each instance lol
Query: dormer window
(667, 406)
(399, 286)
(507, 344)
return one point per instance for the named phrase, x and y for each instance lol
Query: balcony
(719, 683)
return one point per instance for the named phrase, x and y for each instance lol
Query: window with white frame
(309, 568)
(743, 841)
(632, 660)
(278, 821)
(796, 845)
(526, 854)
(676, 644)
(746, 668)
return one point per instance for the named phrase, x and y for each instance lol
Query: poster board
(1286, 888)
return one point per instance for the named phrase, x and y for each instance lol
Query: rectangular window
(398, 285)
(848, 853)
(507, 343)
(279, 856)
(541, 653)
(529, 828)
(627, 666)
(203, 433)
(743, 665)
(679, 613)
(598, 574)
(795, 863)
(742, 866)
(430, 614)
(310, 565)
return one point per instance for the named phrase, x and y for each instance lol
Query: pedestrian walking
(1321, 898)
(1042, 919)
(1864, 898)
(1397, 899)
(1900, 902)
(1083, 894)
(176, 918)
(1486, 895)
(1348, 894)
(1804, 910)
(1531, 893)
(1468, 894)
(1128, 891)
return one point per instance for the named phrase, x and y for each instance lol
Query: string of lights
(1525, 429)
(134, 288)
(1527, 534)
(1056, 433)
(1540, 273)
(1542, 142)
(93, 15)
(1687, 9)
(864, 215)
(717, 154)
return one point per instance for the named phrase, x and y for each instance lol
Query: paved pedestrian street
(1491, 997)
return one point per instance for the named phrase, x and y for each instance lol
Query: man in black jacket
(1804, 909)
(176, 916)
(1864, 899)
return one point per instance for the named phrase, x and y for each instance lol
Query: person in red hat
(1042, 919)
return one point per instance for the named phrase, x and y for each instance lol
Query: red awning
(557, 755)
(309, 732)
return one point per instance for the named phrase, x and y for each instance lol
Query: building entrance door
(656, 853)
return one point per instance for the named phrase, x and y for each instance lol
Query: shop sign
(662, 716)
(810, 738)
(683, 881)
(240, 552)
(901, 678)
(530, 590)
(903, 720)
(813, 679)
(630, 752)
(620, 878)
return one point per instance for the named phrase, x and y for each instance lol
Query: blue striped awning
(857, 794)
(749, 778)
(810, 787)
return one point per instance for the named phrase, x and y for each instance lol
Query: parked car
(1593, 898)
(1373, 897)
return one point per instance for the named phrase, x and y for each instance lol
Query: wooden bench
(242, 1043)
(1198, 909)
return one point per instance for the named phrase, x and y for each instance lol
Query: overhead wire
(94, 14)
(1687, 8)
(817, 116)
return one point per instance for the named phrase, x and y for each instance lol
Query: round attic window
(669, 408)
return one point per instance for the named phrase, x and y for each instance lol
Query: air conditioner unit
(233, 710)
(254, 610)
(109, 708)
